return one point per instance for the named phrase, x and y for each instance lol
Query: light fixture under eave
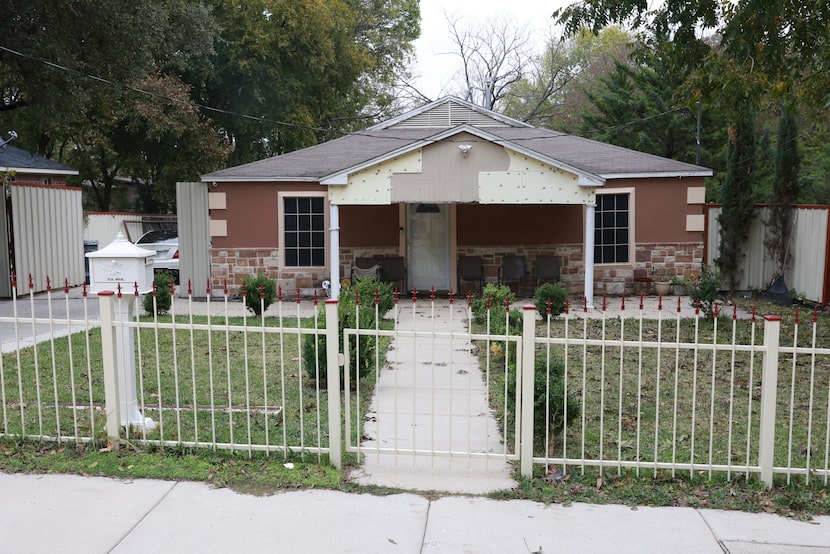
(427, 209)
(465, 149)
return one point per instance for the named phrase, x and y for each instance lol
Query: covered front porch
(462, 194)
(431, 238)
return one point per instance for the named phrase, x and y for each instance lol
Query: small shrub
(549, 413)
(366, 289)
(553, 292)
(162, 281)
(704, 289)
(314, 347)
(497, 297)
(253, 286)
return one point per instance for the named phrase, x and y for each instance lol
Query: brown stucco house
(451, 180)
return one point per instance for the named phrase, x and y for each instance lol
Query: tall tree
(70, 92)
(645, 107)
(737, 202)
(777, 48)
(785, 190)
(552, 91)
(49, 45)
(494, 57)
(301, 70)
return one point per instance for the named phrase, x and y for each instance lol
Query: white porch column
(334, 253)
(590, 221)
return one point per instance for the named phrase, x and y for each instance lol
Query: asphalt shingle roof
(22, 160)
(322, 160)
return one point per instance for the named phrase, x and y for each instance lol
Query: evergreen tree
(738, 209)
(644, 107)
(785, 190)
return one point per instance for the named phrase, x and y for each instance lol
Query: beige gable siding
(373, 185)
(462, 169)
(448, 175)
(528, 181)
(450, 114)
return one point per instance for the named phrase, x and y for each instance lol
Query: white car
(165, 243)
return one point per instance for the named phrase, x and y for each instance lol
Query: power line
(155, 94)
(261, 119)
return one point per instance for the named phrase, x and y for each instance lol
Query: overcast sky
(435, 66)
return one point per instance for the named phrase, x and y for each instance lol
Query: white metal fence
(671, 393)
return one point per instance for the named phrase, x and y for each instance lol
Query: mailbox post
(123, 263)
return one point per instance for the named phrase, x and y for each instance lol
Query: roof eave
(585, 179)
(267, 179)
(35, 171)
(659, 174)
(342, 177)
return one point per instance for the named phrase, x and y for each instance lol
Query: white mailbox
(121, 263)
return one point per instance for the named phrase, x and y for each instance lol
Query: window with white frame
(613, 234)
(304, 231)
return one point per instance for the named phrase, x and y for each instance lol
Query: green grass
(258, 473)
(198, 391)
(642, 408)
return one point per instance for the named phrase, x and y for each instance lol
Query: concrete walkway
(92, 515)
(431, 397)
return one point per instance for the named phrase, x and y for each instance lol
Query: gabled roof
(21, 161)
(595, 160)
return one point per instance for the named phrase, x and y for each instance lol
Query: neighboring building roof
(21, 161)
(436, 121)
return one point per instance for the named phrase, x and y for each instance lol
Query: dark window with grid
(611, 229)
(304, 228)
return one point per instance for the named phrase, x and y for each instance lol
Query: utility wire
(261, 119)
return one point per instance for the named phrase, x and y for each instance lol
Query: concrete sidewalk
(64, 513)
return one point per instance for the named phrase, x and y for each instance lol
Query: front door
(428, 246)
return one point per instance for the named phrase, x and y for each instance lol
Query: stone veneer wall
(572, 272)
(349, 255)
(659, 262)
(231, 265)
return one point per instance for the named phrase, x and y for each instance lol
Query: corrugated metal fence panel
(104, 227)
(712, 234)
(753, 266)
(757, 270)
(5, 269)
(809, 251)
(194, 237)
(805, 273)
(48, 236)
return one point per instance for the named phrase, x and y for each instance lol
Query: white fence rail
(674, 393)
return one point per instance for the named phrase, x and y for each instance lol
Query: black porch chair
(393, 270)
(470, 268)
(547, 269)
(513, 270)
